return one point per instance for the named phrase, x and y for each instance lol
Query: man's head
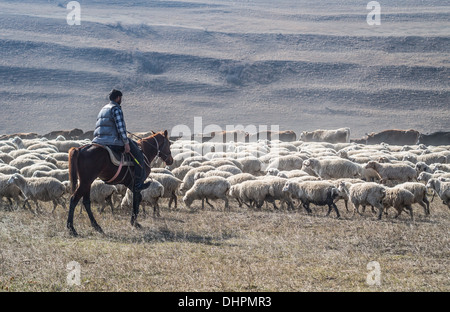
(116, 96)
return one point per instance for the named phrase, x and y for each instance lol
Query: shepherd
(97, 160)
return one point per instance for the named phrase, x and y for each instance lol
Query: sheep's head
(371, 165)
(13, 178)
(431, 184)
(187, 201)
(287, 187)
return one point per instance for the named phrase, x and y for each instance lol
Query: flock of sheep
(288, 175)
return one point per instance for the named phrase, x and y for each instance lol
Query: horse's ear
(153, 132)
(166, 133)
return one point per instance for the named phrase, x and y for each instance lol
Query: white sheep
(400, 199)
(230, 169)
(208, 188)
(319, 193)
(181, 172)
(29, 171)
(101, 194)
(150, 196)
(10, 191)
(425, 176)
(363, 194)
(7, 169)
(40, 189)
(334, 168)
(59, 174)
(253, 193)
(188, 180)
(287, 162)
(171, 186)
(396, 172)
(251, 165)
(420, 194)
(441, 188)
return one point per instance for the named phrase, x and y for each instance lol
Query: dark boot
(139, 179)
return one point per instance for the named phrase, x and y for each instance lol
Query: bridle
(158, 148)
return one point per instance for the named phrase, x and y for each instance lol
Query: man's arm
(121, 127)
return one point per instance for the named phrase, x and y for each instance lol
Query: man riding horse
(110, 130)
(92, 161)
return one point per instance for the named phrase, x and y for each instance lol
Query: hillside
(296, 64)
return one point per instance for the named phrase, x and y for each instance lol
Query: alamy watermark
(74, 275)
(374, 16)
(74, 16)
(374, 276)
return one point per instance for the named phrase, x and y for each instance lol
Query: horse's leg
(87, 206)
(137, 198)
(74, 199)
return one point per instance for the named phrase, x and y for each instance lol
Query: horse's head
(161, 142)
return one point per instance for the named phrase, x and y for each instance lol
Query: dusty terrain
(240, 250)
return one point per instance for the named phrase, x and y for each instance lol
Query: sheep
(253, 192)
(40, 189)
(150, 196)
(101, 194)
(250, 165)
(60, 156)
(230, 169)
(171, 186)
(319, 193)
(64, 146)
(420, 194)
(334, 168)
(277, 184)
(208, 188)
(212, 173)
(43, 146)
(61, 175)
(7, 169)
(181, 171)
(28, 171)
(441, 188)
(425, 176)
(399, 198)
(6, 158)
(288, 162)
(442, 167)
(292, 174)
(240, 177)
(426, 158)
(363, 194)
(188, 180)
(397, 172)
(10, 191)
(370, 175)
(162, 171)
(343, 195)
(422, 167)
(222, 161)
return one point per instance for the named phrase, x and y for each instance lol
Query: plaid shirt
(120, 123)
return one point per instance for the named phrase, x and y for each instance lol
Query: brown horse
(88, 162)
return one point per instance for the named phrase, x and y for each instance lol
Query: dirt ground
(213, 250)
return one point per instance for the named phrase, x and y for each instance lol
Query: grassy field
(213, 250)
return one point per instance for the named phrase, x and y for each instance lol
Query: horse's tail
(73, 167)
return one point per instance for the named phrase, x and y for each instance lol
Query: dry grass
(217, 251)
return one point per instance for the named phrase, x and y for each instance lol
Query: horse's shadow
(164, 234)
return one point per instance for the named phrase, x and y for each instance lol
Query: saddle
(118, 158)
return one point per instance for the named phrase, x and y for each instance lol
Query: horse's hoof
(72, 232)
(137, 225)
(99, 229)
